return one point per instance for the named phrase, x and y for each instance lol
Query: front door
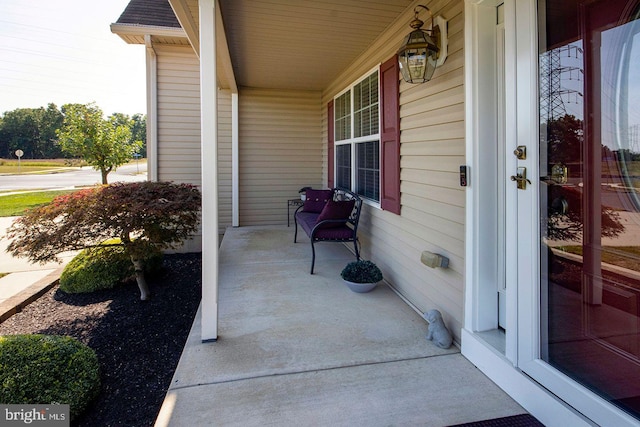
(586, 189)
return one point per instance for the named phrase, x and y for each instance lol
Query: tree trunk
(138, 265)
(104, 173)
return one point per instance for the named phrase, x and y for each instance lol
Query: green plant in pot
(361, 276)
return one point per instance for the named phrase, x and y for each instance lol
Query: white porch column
(209, 165)
(235, 168)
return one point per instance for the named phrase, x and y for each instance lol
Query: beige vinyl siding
(280, 151)
(179, 125)
(432, 149)
(178, 115)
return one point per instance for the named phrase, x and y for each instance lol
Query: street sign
(19, 153)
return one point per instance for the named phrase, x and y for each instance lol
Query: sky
(63, 51)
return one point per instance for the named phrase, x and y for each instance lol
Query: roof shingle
(157, 13)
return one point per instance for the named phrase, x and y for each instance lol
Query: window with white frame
(357, 138)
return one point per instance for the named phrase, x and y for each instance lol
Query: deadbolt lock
(521, 152)
(521, 178)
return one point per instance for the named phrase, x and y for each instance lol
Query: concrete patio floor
(300, 349)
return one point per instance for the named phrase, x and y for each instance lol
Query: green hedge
(102, 268)
(47, 369)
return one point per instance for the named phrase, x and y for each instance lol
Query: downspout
(152, 109)
(235, 162)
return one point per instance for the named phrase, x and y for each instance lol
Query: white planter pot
(360, 287)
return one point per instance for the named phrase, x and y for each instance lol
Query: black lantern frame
(423, 50)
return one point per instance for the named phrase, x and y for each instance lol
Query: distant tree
(139, 132)
(565, 218)
(138, 126)
(20, 131)
(145, 216)
(33, 130)
(103, 143)
(565, 137)
(50, 122)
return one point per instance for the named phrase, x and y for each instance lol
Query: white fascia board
(141, 30)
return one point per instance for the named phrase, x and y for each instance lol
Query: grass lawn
(16, 204)
(622, 256)
(633, 168)
(11, 166)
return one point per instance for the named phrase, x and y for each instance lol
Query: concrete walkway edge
(19, 301)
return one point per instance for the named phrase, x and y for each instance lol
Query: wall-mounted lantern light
(423, 50)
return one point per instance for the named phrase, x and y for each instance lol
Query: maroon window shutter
(330, 144)
(390, 135)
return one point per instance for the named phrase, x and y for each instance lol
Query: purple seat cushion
(316, 199)
(343, 232)
(307, 220)
(336, 210)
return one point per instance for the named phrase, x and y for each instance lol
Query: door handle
(521, 178)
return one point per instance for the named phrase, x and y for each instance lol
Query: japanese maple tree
(144, 216)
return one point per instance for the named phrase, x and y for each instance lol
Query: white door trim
(481, 305)
(483, 252)
(523, 58)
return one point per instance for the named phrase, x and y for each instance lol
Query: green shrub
(102, 268)
(47, 369)
(361, 271)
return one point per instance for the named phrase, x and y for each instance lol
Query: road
(74, 178)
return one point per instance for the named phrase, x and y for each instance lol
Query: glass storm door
(589, 200)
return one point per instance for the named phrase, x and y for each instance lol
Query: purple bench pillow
(316, 200)
(336, 210)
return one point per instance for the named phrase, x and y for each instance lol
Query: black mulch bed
(138, 342)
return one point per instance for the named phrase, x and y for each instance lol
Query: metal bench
(333, 220)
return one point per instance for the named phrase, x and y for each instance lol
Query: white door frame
(482, 201)
(502, 184)
(481, 305)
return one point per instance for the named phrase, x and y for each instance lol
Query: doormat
(522, 420)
